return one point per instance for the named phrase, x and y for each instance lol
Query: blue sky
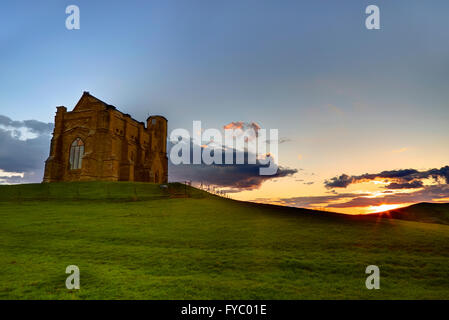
(341, 93)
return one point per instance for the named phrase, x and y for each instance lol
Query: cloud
(427, 194)
(407, 185)
(339, 182)
(243, 126)
(348, 200)
(18, 128)
(393, 194)
(5, 174)
(22, 158)
(237, 177)
(248, 130)
(10, 177)
(400, 176)
(38, 127)
(311, 201)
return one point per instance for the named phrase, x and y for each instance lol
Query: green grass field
(141, 241)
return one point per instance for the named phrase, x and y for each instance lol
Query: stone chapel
(95, 141)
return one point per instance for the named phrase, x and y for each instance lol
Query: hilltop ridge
(420, 212)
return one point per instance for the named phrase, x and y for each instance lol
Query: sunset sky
(363, 115)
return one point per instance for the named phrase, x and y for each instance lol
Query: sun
(383, 207)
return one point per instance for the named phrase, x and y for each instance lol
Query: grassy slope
(205, 247)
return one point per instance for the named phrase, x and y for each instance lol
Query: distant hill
(421, 212)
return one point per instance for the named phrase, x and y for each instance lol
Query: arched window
(76, 154)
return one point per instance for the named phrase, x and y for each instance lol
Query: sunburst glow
(383, 207)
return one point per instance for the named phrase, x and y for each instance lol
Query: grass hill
(422, 212)
(144, 241)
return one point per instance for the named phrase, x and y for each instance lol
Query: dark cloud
(339, 182)
(38, 127)
(398, 176)
(312, 201)
(398, 179)
(235, 176)
(407, 185)
(5, 121)
(238, 177)
(20, 155)
(427, 194)
(34, 126)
